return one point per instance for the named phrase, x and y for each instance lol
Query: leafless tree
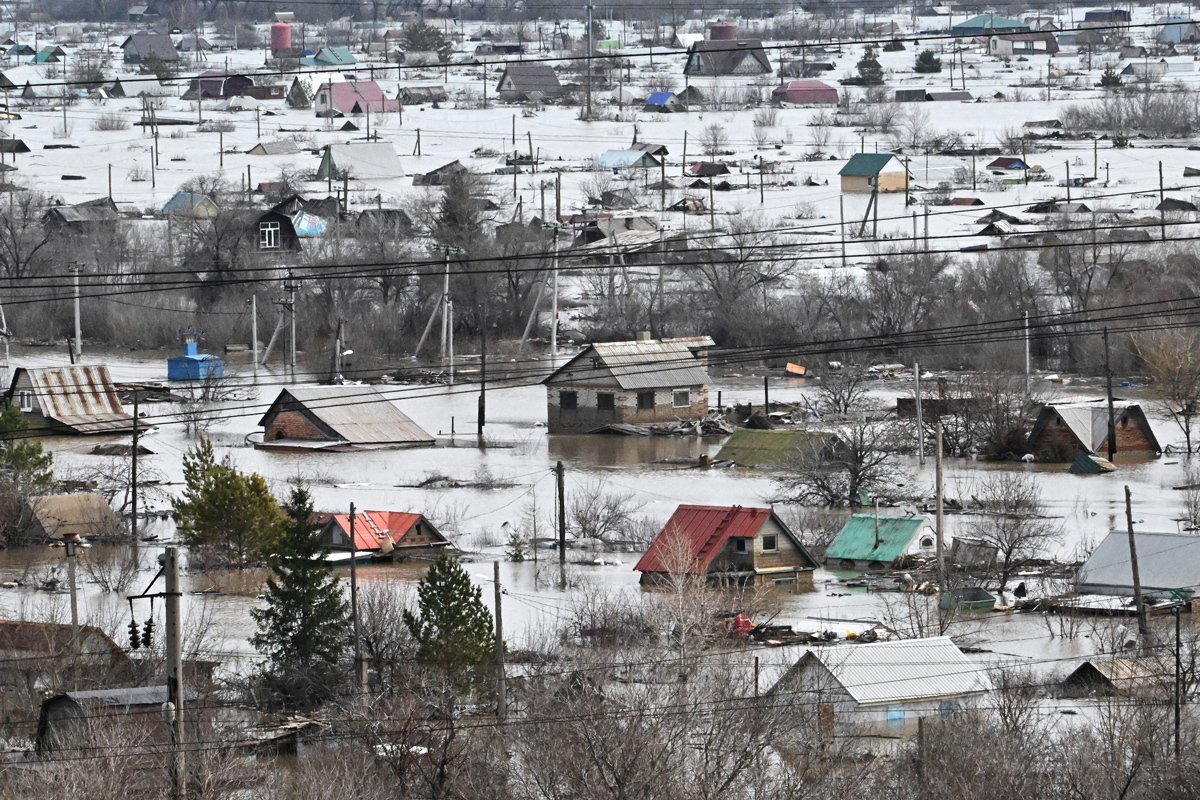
(1012, 519)
(1173, 359)
(863, 463)
(714, 139)
(597, 511)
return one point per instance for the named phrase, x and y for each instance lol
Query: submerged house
(35, 656)
(641, 382)
(528, 81)
(1063, 431)
(133, 714)
(52, 516)
(869, 541)
(1168, 564)
(77, 399)
(884, 688)
(731, 546)
(713, 58)
(805, 93)
(337, 418)
(870, 172)
(386, 533)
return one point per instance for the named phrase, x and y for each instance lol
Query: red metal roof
(703, 530)
(370, 527)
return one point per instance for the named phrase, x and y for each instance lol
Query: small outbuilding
(52, 516)
(360, 161)
(664, 103)
(528, 80)
(870, 172)
(70, 400)
(871, 541)
(1168, 565)
(192, 365)
(337, 418)
(730, 546)
(805, 93)
(1064, 430)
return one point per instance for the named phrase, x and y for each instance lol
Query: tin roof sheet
(857, 540)
(371, 527)
(650, 364)
(902, 670)
(356, 414)
(1166, 561)
(80, 397)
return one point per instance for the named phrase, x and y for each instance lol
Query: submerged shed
(337, 417)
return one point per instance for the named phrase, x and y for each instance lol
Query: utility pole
(939, 510)
(591, 49)
(1025, 318)
(254, 332)
(174, 708)
(289, 304)
(560, 479)
(358, 654)
(501, 695)
(1139, 602)
(70, 541)
(447, 306)
(133, 474)
(482, 409)
(554, 228)
(74, 269)
(1178, 679)
(920, 414)
(1112, 428)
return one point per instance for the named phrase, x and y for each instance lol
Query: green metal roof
(759, 448)
(866, 165)
(856, 540)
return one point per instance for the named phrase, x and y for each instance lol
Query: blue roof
(659, 98)
(616, 159)
(309, 226)
(185, 202)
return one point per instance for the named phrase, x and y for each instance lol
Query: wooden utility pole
(920, 415)
(560, 477)
(939, 510)
(133, 475)
(1139, 602)
(174, 709)
(1112, 427)
(501, 694)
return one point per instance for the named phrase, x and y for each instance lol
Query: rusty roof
(80, 397)
(372, 527)
(354, 414)
(701, 532)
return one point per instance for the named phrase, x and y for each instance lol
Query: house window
(770, 543)
(681, 398)
(739, 545)
(268, 235)
(596, 362)
(895, 716)
(568, 401)
(26, 400)
(606, 401)
(645, 401)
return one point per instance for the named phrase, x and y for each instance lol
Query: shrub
(110, 122)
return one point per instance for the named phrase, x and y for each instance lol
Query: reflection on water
(627, 451)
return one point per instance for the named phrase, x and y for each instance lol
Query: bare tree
(861, 464)
(1012, 519)
(595, 511)
(714, 139)
(1173, 359)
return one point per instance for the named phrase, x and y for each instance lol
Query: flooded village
(639, 400)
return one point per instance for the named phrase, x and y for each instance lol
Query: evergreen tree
(869, 71)
(304, 629)
(453, 628)
(928, 62)
(229, 515)
(1110, 78)
(23, 461)
(424, 38)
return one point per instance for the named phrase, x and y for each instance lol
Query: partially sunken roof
(866, 165)
(695, 534)
(1166, 562)
(866, 537)
(355, 414)
(904, 670)
(81, 397)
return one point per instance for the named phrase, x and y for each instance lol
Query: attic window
(25, 399)
(268, 236)
(927, 542)
(770, 543)
(739, 545)
(596, 362)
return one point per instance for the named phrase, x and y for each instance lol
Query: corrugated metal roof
(856, 541)
(866, 165)
(356, 414)
(371, 527)
(650, 364)
(84, 513)
(704, 530)
(1166, 561)
(1089, 421)
(902, 670)
(80, 397)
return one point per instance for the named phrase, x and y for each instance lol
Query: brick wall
(291, 425)
(587, 416)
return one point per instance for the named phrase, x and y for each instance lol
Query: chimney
(643, 336)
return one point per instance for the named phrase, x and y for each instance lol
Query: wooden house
(528, 81)
(35, 656)
(385, 534)
(144, 47)
(712, 58)
(805, 93)
(130, 714)
(78, 399)
(731, 546)
(870, 541)
(641, 382)
(1109, 676)
(883, 689)
(870, 172)
(337, 418)
(274, 231)
(1065, 430)
(339, 98)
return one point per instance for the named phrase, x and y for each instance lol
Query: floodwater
(515, 471)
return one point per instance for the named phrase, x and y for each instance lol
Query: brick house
(643, 382)
(1064, 430)
(337, 418)
(731, 545)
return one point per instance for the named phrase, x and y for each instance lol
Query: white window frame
(675, 398)
(269, 235)
(25, 399)
(774, 549)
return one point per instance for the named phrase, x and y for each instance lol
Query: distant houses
(1034, 43)
(72, 400)
(729, 546)
(1063, 431)
(337, 418)
(870, 172)
(360, 161)
(641, 382)
(988, 25)
(335, 99)
(143, 47)
(805, 93)
(528, 81)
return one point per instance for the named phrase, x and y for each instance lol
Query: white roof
(365, 160)
(1089, 421)
(906, 669)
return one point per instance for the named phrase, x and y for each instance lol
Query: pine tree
(304, 629)
(928, 62)
(420, 36)
(229, 515)
(869, 71)
(22, 460)
(1110, 78)
(454, 628)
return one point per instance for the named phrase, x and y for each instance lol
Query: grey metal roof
(902, 670)
(356, 414)
(80, 397)
(1166, 561)
(650, 364)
